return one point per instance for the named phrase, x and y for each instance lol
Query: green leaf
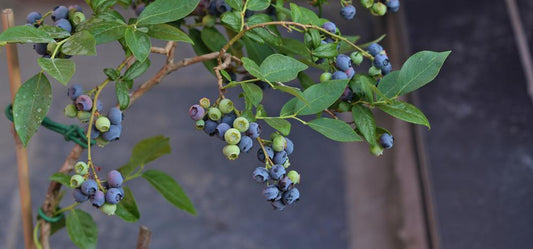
(200, 48)
(146, 151)
(235, 4)
(344, 47)
(163, 11)
(82, 229)
(320, 96)
(25, 34)
(305, 80)
(232, 20)
(365, 122)
(61, 69)
(420, 69)
(291, 46)
(256, 51)
(281, 68)
(123, 94)
(168, 33)
(213, 39)
(279, 124)
(389, 85)
(334, 129)
(169, 189)
(55, 32)
(127, 208)
(137, 69)
(62, 178)
(251, 67)
(405, 111)
(360, 85)
(271, 35)
(291, 90)
(105, 30)
(288, 108)
(139, 43)
(257, 5)
(252, 93)
(31, 105)
(81, 43)
(112, 73)
(328, 50)
(303, 15)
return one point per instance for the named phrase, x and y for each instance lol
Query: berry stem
(243, 12)
(36, 236)
(270, 163)
(72, 206)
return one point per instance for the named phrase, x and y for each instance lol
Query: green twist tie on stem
(50, 219)
(72, 133)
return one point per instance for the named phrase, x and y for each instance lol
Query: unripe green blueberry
(109, 209)
(102, 124)
(344, 106)
(232, 136)
(81, 168)
(200, 124)
(231, 151)
(376, 150)
(374, 71)
(214, 114)
(378, 9)
(84, 116)
(77, 18)
(209, 21)
(279, 143)
(287, 163)
(357, 58)
(101, 142)
(367, 3)
(274, 135)
(205, 103)
(70, 111)
(241, 124)
(225, 106)
(76, 181)
(294, 176)
(325, 76)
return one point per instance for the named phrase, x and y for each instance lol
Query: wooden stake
(145, 236)
(8, 20)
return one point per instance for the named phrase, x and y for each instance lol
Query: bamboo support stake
(8, 20)
(145, 236)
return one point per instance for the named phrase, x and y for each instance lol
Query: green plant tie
(50, 219)
(72, 133)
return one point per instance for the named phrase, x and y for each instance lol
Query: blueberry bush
(250, 46)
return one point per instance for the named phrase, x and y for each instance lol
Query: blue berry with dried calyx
(228, 118)
(330, 27)
(113, 133)
(114, 179)
(98, 199)
(221, 129)
(79, 196)
(254, 130)
(280, 157)
(89, 187)
(290, 196)
(113, 196)
(348, 12)
(33, 17)
(84, 103)
(277, 171)
(386, 141)
(261, 154)
(64, 24)
(261, 175)
(75, 91)
(271, 193)
(374, 49)
(196, 112)
(115, 116)
(284, 183)
(60, 12)
(246, 144)
(393, 5)
(210, 127)
(343, 62)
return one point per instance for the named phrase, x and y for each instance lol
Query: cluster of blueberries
(379, 9)
(279, 189)
(222, 121)
(105, 128)
(104, 197)
(63, 17)
(381, 64)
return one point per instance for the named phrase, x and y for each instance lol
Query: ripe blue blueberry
(64, 24)
(271, 192)
(115, 116)
(284, 183)
(114, 179)
(254, 130)
(33, 17)
(343, 62)
(98, 199)
(113, 196)
(330, 27)
(121, 190)
(375, 49)
(386, 140)
(393, 5)
(350, 72)
(99, 106)
(381, 60)
(40, 48)
(290, 146)
(348, 12)
(60, 12)
(291, 196)
(277, 171)
(75, 91)
(278, 205)
(347, 95)
(386, 69)
(196, 112)
(339, 75)
(246, 144)
(222, 6)
(210, 127)
(221, 130)
(261, 154)
(280, 157)
(95, 133)
(228, 118)
(84, 103)
(113, 133)
(79, 196)
(89, 187)
(260, 175)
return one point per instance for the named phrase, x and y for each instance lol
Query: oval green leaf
(320, 96)
(25, 34)
(420, 69)
(365, 122)
(405, 111)
(281, 68)
(334, 129)
(60, 69)
(81, 43)
(168, 33)
(139, 43)
(169, 189)
(279, 124)
(82, 229)
(163, 11)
